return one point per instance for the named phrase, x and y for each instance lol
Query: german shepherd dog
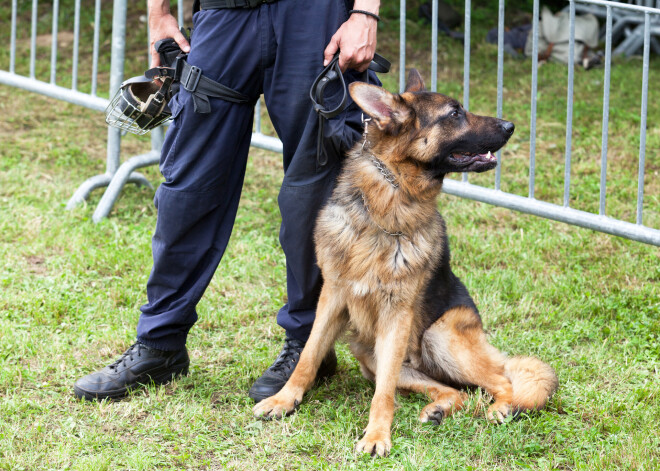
(383, 251)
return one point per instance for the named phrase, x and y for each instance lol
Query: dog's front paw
(375, 443)
(276, 406)
(498, 412)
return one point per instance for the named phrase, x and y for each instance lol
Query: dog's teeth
(489, 156)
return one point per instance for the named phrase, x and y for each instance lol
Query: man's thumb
(330, 51)
(182, 42)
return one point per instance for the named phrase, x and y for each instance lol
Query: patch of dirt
(36, 264)
(64, 39)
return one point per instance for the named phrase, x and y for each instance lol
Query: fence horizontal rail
(53, 91)
(552, 211)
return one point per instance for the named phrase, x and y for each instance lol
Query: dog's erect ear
(415, 82)
(378, 103)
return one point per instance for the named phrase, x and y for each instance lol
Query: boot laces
(288, 357)
(135, 349)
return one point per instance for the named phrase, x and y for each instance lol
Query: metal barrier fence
(89, 100)
(641, 22)
(601, 222)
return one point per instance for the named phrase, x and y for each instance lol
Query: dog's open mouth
(467, 158)
(472, 162)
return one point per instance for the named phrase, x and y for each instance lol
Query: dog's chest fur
(380, 274)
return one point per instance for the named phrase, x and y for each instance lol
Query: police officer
(274, 47)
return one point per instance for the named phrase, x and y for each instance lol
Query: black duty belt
(224, 4)
(331, 73)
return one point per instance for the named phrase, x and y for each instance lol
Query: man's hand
(163, 25)
(355, 40)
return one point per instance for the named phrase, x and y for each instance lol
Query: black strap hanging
(330, 73)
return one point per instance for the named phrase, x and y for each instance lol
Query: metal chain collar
(386, 172)
(366, 206)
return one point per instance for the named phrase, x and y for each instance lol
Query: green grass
(585, 302)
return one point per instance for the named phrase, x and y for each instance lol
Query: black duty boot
(276, 376)
(138, 366)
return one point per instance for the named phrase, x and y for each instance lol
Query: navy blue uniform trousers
(275, 49)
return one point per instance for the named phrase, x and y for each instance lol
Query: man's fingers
(362, 68)
(344, 61)
(161, 27)
(155, 58)
(182, 42)
(330, 51)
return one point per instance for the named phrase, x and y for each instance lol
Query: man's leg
(301, 31)
(203, 161)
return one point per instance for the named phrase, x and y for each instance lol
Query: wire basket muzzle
(137, 107)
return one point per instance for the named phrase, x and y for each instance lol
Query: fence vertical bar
(157, 138)
(76, 45)
(53, 44)
(642, 136)
(179, 13)
(606, 111)
(500, 83)
(569, 105)
(434, 46)
(12, 47)
(116, 76)
(402, 46)
(33, 38)
(257, 117)
(95, 51)
(535, 82)
(466, 63)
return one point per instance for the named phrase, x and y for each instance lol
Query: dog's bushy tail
(533, 381)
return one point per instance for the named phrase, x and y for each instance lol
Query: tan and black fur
(383, 251)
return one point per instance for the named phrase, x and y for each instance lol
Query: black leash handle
(330, 73)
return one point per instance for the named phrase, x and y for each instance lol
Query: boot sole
(177, 371)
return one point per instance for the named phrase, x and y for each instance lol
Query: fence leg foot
(124, 175)
(87, 187)
(139, 180)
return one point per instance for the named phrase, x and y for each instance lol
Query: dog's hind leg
(446, 400)
(331, 319)
(455, 347)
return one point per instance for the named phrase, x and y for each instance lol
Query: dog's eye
(454, 114)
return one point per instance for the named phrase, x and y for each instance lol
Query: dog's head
(431, 129)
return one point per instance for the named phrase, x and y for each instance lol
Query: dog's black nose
(508, 127)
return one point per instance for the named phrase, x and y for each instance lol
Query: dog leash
(329, 74)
